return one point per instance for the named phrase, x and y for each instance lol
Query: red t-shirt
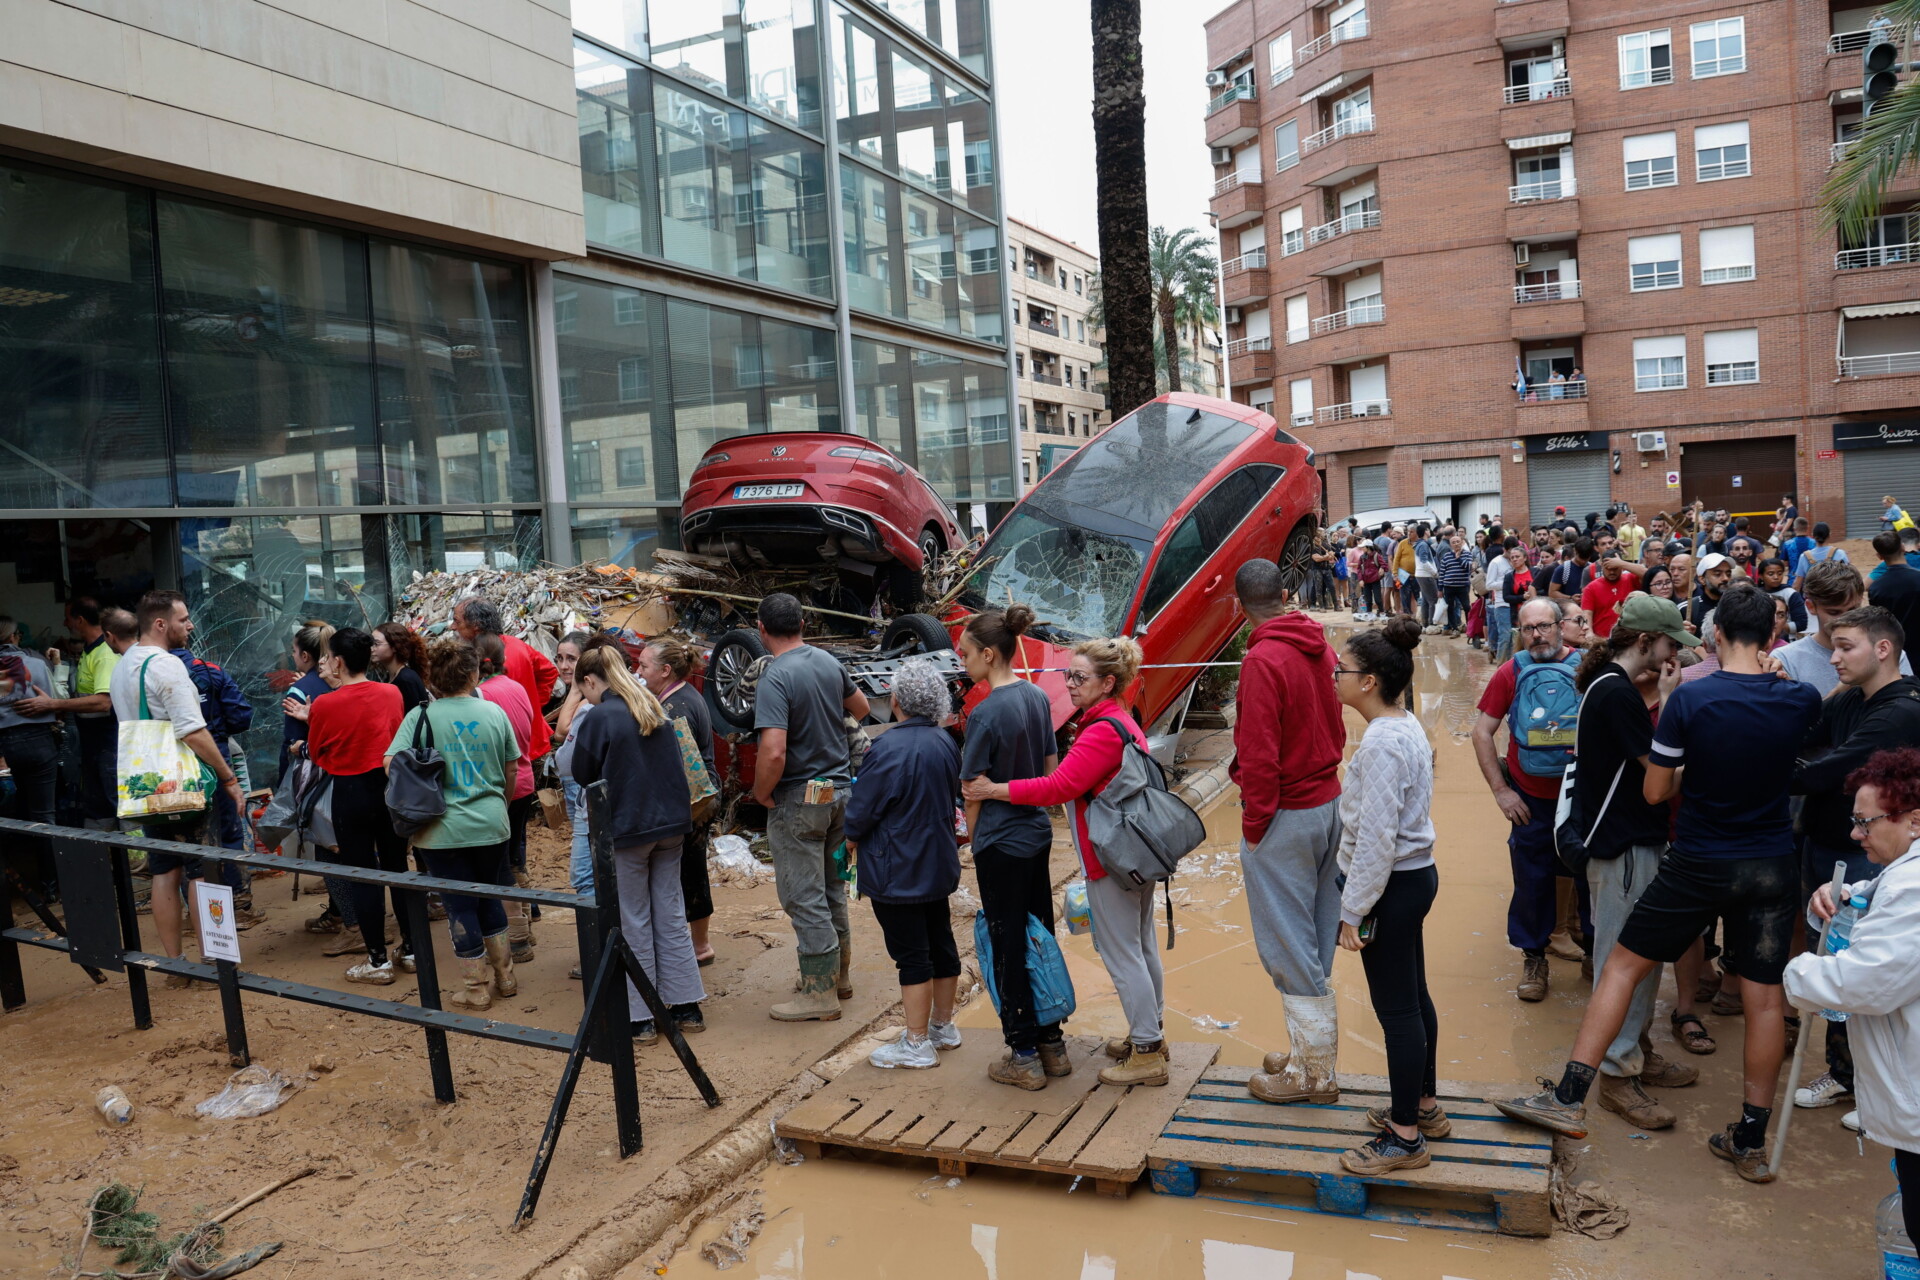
(1602, 599)
(504, 691)
(349, 730)
(1496, 702)
(529, 669)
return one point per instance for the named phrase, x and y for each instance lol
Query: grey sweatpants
(1616, 884)
(802, 838)
(653, 919)
(1129, 945)
(1294, 897)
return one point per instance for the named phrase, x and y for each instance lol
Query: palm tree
(1184, 275)
(1888, 140)
(1191, 367)
(1120, 155)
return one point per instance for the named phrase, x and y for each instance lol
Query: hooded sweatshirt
(1287, 734)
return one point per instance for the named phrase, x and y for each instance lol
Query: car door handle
(1214, 582)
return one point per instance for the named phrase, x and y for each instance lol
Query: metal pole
(613, 1037)
(229, 977)
(1806, 1034)
(599, 979)
(13, 987)
(130, 938)
(427, 975)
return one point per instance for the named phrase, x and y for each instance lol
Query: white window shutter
(1733, 346)
(1355, 194)
(1301, 392)
(1365, 287)
(1297, 312)
(1648, 146)
(1293, 219)
(1726, 247)
(1709, 136)
(1369, 383)
(1259, 324)
(1659, 348)
(1254, 237)
(1654, 248)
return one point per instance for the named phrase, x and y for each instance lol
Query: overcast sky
(1043, 86)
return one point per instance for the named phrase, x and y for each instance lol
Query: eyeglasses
(1347, 671)
(1077, 678)
(1531, 627)
(1866, 824)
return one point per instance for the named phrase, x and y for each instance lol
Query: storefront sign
(1826, 455)
(1568, 442)
(1892, 433)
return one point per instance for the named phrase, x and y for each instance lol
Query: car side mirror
(1139, 628)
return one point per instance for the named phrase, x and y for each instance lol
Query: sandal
(1691, 1033)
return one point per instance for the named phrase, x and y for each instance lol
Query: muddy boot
(1657, 1072)
(1533, 979)
(1143, 1066)
(519, 924)
(476, 979)
(1021, 1070)
(1053, 1058)
(843, 979)
(1623, 1096)
(1120, 1048)
(816, 1001)
(1307, 1070)
(500, 960)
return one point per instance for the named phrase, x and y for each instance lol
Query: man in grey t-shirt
(799, 707)
(1831, 587)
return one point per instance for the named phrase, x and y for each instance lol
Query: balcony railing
(1354, 28)
(1892, 362)
(1546, 392)
(1879, 255)
(1545, 189)
(1235, 179)
(1281, 74)
(1242, 92)
(1358, 409)
(1251, 260)
(1336, 131)
(1839, 150)
(1045, 379)
(1358, 313)
(1854, 41)
(1044, 327)
(1248, 346)
(1363, 220)
(1538, 92)
(1302, 419)
(1292, 242)
(1298, 335)
(1553, 291)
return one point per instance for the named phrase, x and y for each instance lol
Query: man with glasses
(1533, 694)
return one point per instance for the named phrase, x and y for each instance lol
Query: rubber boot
(476, 978)
(1313, 1030)
(816, 1001)
(520, 923)
(843, 980)
(500, 960)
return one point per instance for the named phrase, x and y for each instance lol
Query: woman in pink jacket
(1123, 922)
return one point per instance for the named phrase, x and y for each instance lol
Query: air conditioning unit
(1522, 254)
(1233, 315)
(1221, 155)
(1216, 79)
(1650, 441)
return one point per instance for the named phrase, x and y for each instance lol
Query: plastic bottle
(1840, 937)
(112, 1103)
(1897, 1257)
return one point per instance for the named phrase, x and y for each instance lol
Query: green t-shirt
(476, 740)
(95, 669)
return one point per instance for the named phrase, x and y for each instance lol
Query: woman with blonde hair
(1097, 680)
(629, 742)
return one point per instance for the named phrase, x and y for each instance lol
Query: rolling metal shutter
(1873, 473)
(1580, 482)
(1368, 486)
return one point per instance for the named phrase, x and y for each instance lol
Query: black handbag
(414, 792)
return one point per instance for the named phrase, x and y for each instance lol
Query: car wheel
(927, 633)
(930, 547)
(1296, 560)
(731, 677)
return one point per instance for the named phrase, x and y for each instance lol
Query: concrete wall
(448, 118)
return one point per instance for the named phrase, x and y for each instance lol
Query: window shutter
(1297, 312)
(1301, 392)
(1369, 383)
(1343, 12)
(1293, 219)
(1709, 136)
(1659, 348)
(1648, 146)
(1654, 248)
(1355, 194)
(1733, 346)
(1365, 287)
(1726, 247)
(1259, 324)
(1254, 237)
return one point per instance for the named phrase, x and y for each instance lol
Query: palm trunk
(1170, 329)
(1120, 154)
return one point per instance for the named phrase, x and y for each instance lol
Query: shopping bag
(704, 796)
(158, 778)
(316, 815)
(1053, 1001)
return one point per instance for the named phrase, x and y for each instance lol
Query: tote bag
(158, 778)
(700, 789)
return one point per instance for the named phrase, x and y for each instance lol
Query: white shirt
(171, 694)
(1497, 572)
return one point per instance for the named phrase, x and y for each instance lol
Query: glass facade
(764, 53)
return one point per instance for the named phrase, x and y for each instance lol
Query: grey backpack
(1140, 829)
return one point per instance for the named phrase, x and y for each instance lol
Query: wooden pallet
(955, 1116)
(1492, 1174)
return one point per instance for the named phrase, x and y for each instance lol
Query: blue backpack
(1046, 971)
(1545, 712)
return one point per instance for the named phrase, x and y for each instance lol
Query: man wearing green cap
(1637, 665)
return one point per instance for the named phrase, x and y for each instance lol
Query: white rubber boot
(1313, 1033)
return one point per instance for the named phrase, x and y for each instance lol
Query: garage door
(1461, 475)
(1580, 482)
(1741, 476)
(1873, 473)
(1368, 487)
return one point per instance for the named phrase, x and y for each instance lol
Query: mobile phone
(1366, 929)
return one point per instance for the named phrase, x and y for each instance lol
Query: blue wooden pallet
(1492, 1174)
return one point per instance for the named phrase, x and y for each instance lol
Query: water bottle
(1897, 1256)
(111, 1102)
(1840, 937)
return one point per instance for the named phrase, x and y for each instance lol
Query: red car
(1140, 533)
(801, 498)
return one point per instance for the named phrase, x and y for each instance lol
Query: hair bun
(1402, 632)
(1017, 617)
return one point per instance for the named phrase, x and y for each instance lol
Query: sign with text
(219, 936)
(1826, 455)
(1568, 442)
(1885, 434)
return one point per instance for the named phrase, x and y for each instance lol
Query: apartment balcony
(1358, 333)
(1237, 199)
(1342, 150)
(1544, 413)
(1249, 360)
(1366, 220)
(1343, 245)
(1044, 379)
(1519, 23)
(1540, 211)
(1554, 312)
(1357, 409)
(1355, 28)
(1880, 365)
(1344, 54)
(1360, 313)
(1553, 291)
(1875, 286)
(1879, 255)
(1233, 117)
(1244, 279)
(1843, 56)
(1536, 110)
(1044, 326)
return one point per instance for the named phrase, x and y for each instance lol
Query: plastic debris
(730, 1250)
(111, 1102)
(250, 1091)
(732, 859)
(1206, 1023)
(937, 1182)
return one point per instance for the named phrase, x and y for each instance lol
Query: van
(1381, 518)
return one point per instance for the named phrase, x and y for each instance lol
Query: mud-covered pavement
(852, 1220)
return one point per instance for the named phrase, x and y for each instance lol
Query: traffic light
(1879, 69)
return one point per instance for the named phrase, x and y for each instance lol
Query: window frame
(1652, 72)
(1750, 367)
(1281, 160)
(1648, 181)
(1750, 267)
(1658, 380)
(1693, 44)
(1723, 169)
(643, 385)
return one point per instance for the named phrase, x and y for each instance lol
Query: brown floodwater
(848, 1219)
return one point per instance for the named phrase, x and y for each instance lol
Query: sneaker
(1657, 1072)
(1385, 1152)
(374, 975)
(1822, 1092)
(1851, 1122)
(1022, 1071)
(1547, 1111)
(1432, 1121)
(644, 1032)
(943, 1035)
(407, 963)
(327, 921)
(1053, 1059)
(1533, 979)
(1749, 1162)
(909, 1051)
(1623, 1096)
(688, 1018)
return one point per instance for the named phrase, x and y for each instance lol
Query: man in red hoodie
(1287, 737)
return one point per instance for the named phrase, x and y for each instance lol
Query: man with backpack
(1534, 695)
(227, 712)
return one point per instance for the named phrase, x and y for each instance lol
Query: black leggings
(919, 939)
(1396, 965)
(695, 885)
(1906, 1166)
(1011, 889)
(365, 830)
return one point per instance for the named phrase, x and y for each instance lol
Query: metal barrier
(101, 932)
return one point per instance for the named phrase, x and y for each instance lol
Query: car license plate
(768, 490)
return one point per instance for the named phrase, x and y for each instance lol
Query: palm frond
(1890, 138)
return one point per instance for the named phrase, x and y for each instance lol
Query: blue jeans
(1534, 909)
(1499, 626)
(471, 920)
(580, 863)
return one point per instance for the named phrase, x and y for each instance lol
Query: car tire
(931, 547)
(928, 633)
(1296, 560)
(731, 677)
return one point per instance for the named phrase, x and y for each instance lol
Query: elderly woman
(900, 826)
(1876, 979)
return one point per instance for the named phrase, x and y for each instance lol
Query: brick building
(1429, 201)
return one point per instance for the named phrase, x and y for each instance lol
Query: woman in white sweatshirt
(1388, 882)
(1877, 978)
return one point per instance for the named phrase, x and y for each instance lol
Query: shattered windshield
(1076, 581)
